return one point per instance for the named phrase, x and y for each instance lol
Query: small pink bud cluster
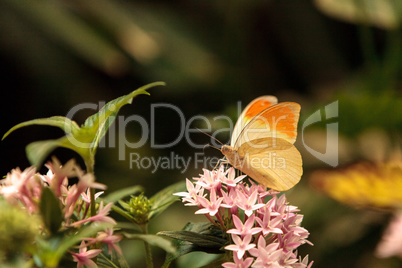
(262, 233)
(25, 189)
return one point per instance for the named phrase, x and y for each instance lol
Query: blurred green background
(57, 54)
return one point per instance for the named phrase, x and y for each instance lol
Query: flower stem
(89, 163)
(148, 252)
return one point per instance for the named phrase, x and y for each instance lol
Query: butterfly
(262, 143)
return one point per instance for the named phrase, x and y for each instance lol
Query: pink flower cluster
(25, 189)
(263, 234)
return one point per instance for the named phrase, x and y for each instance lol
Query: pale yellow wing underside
(278, 166)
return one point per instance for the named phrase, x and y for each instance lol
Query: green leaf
(86, 231)
(153, 240)
(122, 212)
(202, 236)
(125, 205)
(201, 240)
(164, 198)
(50, 210)
(85, 139)
(99, 123)
(128, 226)
(62, 122)
(51, 251)
(120, 194)
(216, 263)
(38, 151)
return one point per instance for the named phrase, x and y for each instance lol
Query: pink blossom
(229, 200)
(241, 245)
(238, 263)
(107, 237)
(292, 225)
(210, 206)
(191, 196)
(100, 217)
(282, 207)
(275, 224)
(266, 255)
(230, 179)
(84, 256)
(24, 187)
(270, 224)
(60, 173)
(211, 179)
(85, 181)
(86, 197)
(248, 203)
(244, 229)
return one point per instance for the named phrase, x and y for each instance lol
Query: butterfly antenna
(209, 145)
(210, 136)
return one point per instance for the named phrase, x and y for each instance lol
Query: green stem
(148, 253)
(112, 264)
(89, 163)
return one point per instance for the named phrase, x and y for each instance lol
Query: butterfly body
(262, 143)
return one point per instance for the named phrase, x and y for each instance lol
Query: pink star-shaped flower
(83, 258)
(238, 262)
(270, 224)
(107, 237)
(246, 228)
(267, 255)
(230, 179)
(191, 196)
(248, 204)
(210, 206)
(241, 245)
(210, 180)
(229, 200)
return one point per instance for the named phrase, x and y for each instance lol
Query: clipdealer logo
(117, 138)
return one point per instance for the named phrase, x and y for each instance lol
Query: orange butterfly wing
(252, 109)
(276, 121)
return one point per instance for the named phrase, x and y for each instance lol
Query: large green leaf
(164, 198)
(201, 236)
(153, 240)
(50, 210)
(62, 122)
(85, 139)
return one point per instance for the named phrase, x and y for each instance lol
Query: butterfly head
(227, 150)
